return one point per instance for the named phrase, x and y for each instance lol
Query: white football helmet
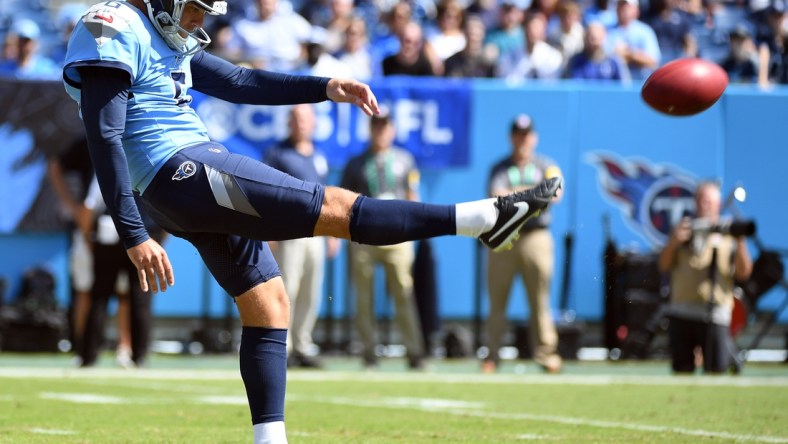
(166, 18)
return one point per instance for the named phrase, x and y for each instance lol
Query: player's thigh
(238, 264)
(209, 190)
(246, 270)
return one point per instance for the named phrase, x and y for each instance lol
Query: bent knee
(265, 305)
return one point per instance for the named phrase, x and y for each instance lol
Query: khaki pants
(302, 263)
(397, 261)
(532, 257)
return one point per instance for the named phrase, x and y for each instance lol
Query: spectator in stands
(602, 11)
(539, 60)
(424, 11)
(10, 47)
(778, 70)
(568, 35)
(741, 64)
(449, 38)
(412, 57)
(673, 28)
(272, 40)
(703, 266)
(595, 63)
(769, 23)
(386, 39)
(355, 51)
(475, 60)
(28, 63)
(223, 41)
(318, 62)
(386, 172)
(302, 261)
(508, 37)
(487, 10)
(340, 18)
(634, 41)
(770, 26)
(67, 18)
(548, 9)
(711, 28)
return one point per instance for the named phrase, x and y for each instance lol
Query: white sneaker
(123, 358)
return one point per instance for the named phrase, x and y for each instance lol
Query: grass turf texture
(42, 400)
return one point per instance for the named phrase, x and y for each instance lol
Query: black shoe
(512, 214)
(417, 363)
(310, 362)
(303, 361)
(370, 362)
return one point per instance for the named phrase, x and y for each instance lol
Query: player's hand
(355, 92)
(153, 266)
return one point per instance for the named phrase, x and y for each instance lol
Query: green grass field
(202, 400)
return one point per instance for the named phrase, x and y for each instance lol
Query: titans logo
(653, 198)
(186, 169)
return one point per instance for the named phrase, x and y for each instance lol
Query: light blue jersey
(159, 119)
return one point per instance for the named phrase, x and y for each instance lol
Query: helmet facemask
(166, 18)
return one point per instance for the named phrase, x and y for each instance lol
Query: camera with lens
(733, 227)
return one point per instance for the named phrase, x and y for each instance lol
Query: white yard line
(83, 398)
(41, 431)
(568, 420)
(417, 404)
(533, 437)
(434, 405)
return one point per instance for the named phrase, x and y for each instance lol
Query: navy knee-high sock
(388, 222)
(264, 372)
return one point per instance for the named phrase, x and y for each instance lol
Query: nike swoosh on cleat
(522, 208)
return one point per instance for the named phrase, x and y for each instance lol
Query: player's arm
(104, 95)
(219, 78)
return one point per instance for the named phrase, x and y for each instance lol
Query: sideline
(465, 378)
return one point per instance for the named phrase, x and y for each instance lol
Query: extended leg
(365, 220)
(252, 200)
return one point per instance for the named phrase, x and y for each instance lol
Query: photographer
(704, 258)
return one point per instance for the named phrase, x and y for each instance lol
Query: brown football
(684, 87)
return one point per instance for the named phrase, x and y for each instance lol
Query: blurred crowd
(519, 40)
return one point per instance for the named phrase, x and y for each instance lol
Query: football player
(130, 65)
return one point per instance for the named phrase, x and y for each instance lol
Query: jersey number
(179, 81)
